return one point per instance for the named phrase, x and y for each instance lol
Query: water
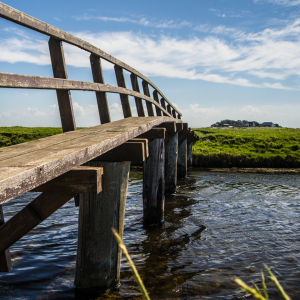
(218, 226)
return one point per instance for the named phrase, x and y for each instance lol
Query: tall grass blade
(131, 264)
(250, 290)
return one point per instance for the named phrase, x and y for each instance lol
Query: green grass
(16, 135)
(247, 147)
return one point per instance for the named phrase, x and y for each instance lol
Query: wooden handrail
(30, 22)
(8, 80)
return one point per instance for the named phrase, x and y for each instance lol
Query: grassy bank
(247, 148)
(16, 135)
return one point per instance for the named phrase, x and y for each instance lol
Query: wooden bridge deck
(28, 165)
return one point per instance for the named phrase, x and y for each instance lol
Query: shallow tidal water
(218, 226)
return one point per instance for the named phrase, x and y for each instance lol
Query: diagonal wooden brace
(47, 203)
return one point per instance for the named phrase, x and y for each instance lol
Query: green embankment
(16, 135)
(247, 148)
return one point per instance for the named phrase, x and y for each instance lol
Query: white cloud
(281, 2)
(34, 112)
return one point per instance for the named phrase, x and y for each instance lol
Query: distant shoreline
(251, 170)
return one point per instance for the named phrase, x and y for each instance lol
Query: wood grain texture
(98, 255)
(81, 179)
(25, 20)
(138, 101)
(163, 105)
(97, 72)
(170, 127)
(171, 153)
(147, 93)
(189, 155)
(124, 98)
(35, 82)
(182, 160)
(169, 109)
(154, 133)
(154, 183)
(179, 126)
(26, 166)
(63, 96)
(5, 260)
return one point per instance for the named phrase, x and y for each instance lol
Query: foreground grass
(16, 135)
(247, 147)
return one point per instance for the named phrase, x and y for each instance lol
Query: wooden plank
(174, 113)
(183, 136)
(179, 126)
(147, 93)
(182, 160)
(21, 173)
(138, 101)
(63, 96)
(154, 133)
(155, 97)
(81, 179)
(189, 155)
(163, 104)
(141, 140)
(23, 19)
(170, 127)
(171, 149)
(97, 72)
(35, 82)
(169, 109)
(129, 151)
(124, 98)
(185, 126)
(5, 260)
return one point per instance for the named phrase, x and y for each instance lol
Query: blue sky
(217, 59)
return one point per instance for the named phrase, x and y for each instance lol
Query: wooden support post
(138, 101)
(155, 97)
(171, 152)
(5, 260)
(124, 98)
(182, 160)
(174, 113)
(154, 133)
(101, 96)
(98, 255)
(63, 96)
(163, 104)
(189, 155)
(169, 109)
(179, 116)
(154, 183)
(147, 93)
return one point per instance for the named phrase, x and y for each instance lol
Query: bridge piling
(98, 255)
(171, 152)
(5, 260)
(189, 155)
(154, 183)
(182, 159)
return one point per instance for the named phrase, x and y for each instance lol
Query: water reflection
(218, 226)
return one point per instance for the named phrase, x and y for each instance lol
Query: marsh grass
(247, 147)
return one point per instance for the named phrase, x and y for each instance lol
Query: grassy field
(247, 148)
(16, 135)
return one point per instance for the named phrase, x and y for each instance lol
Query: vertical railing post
(155, 97)
(169, 109)
(124, 98)
(101, 96)
(163, 104)
(138, 101)
(147, 93)
(174, 113)
(5, 261)
(179, 116)
(63, 96)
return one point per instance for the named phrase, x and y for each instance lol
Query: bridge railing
(63, 85)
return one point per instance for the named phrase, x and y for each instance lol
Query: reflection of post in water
(163, 246)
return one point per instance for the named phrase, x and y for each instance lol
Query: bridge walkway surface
(91, 164)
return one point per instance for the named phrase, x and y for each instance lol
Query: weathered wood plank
(144, 141)
(5, 260)
(179, 126)
(171, 153)
(170, 127)
(138, 101)
(163, 105)
(81, 179)
(97, 72)
(124, 98)
(169, 109)
(174, 113)
(189, 155)
(147, 93)
(21, 173)
(98, 255)
(129, 151)
(23, 19)
(185, 126)
(63, 96)
(154, 133)
(35, 82)
(182, 160)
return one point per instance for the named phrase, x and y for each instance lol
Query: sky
(214, 60)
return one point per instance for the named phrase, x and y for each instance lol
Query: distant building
(251, 124)
(268, 124)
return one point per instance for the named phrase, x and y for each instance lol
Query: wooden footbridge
(91, 164)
